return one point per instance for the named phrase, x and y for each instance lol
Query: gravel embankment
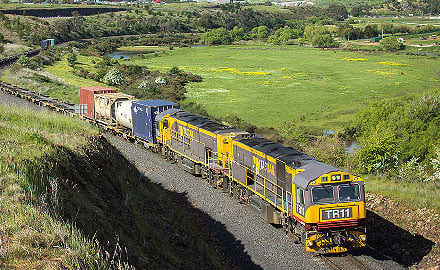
(267, 246)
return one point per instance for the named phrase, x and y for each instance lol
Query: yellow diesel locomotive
(321, 206)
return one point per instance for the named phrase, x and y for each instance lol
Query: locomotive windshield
(322, 194)
(349, 193)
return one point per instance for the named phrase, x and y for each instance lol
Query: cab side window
(300, 196)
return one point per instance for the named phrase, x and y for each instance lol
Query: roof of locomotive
(291, 157)
(199, 121)
(311, 172)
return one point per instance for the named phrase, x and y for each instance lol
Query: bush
(71, 59)
(113, 77)
(148, 89)
(323, 41)
(330, 150)
(313, 30)
(23, 61)
(217, 36)
(174, 71)
(260, 32)
(378, 153)
(391, 44)
(412, 170)
(282, 36)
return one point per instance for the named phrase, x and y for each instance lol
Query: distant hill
(416, 7)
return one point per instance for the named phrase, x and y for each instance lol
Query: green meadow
(272, 85)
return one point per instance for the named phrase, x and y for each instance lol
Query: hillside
(70, 200)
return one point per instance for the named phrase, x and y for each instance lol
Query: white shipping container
(123, 113)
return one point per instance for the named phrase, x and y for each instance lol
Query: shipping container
(123, 114)
(144, 115)
(81, 109)
(86, 97)
(105, 106)
(47, 43)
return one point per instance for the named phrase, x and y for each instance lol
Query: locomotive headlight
(310, 243)
(338, 177)
(364, 238)
(333, 177)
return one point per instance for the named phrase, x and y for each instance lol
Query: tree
(379, 153)
(391, 44)
(297, 26)
(71, 59)
(237, 33)
(337, 12)
(261, 31)
(313, 30)
(217, 36)
(323, 41)
(371, 31)
(282, 35)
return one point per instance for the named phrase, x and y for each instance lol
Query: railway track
(346, 261)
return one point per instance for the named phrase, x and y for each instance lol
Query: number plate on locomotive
(338, 213)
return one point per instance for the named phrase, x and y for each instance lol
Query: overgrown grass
(56, 81)
(272, 85)
(43, 83)
(31, 237)
(62, 70)
(412, 194)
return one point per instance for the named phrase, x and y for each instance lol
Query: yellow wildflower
(355, 59)
(389, 63)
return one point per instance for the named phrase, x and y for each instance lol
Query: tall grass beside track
(30, 236)
(412, 194)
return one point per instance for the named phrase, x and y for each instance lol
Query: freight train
(318, 205)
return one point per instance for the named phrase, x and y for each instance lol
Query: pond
(123, 54)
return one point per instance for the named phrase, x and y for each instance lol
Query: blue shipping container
(144, 114)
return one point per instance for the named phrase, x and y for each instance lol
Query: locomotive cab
(330, 204)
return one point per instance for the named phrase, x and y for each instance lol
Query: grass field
(62, 70)
(271, 85)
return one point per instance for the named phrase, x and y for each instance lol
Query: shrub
(282, 36)
(149, 89)
(378, 153)
(23, 61)
(260, 32)
(330, 150)
(113, 77)
(313, 30)
(412, 170)
(174, 71)
(435, 163)
(391, 44)
(323, 41)
(217, 36)
(71, 59)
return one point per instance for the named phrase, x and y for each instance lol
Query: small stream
(350, 145)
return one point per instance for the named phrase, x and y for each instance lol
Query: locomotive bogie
(336, 241)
